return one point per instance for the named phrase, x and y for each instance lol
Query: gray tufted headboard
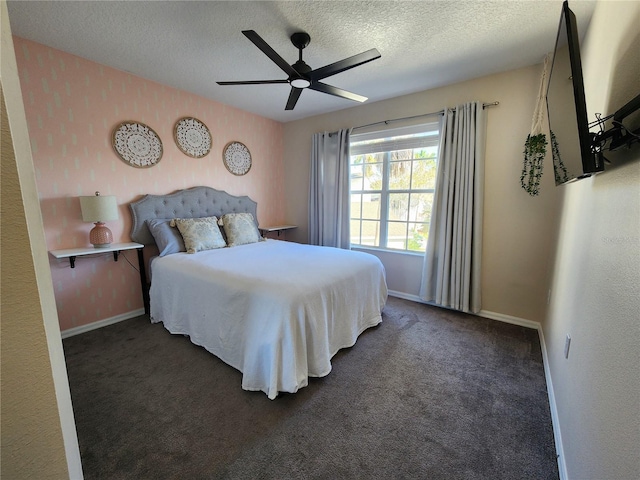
(193, 202)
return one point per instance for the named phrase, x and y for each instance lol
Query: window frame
(386, 140)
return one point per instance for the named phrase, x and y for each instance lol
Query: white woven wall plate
(137, 144)
(192, 137)
(237, 158)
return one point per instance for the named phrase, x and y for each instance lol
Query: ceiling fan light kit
(300, 83)
(301, 75)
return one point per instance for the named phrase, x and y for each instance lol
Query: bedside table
(275, 229)
(116, 248)
(73, 253)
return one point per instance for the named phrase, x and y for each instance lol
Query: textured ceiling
(191, 44)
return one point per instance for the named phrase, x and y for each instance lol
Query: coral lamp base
(100, 236)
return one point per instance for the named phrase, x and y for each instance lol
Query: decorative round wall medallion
(192, 137)
(137, 144)
(237, 158)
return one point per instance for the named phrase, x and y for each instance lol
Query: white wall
(596, 284)
(519, 230)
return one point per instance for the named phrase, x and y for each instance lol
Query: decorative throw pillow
(199, 233)
(240, 229)
(168, 238)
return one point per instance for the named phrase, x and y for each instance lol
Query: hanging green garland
(559, 170)
(535, 149)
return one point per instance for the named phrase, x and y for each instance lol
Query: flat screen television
(570, 142)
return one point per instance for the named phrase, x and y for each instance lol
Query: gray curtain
(329, 190)
(451, 273)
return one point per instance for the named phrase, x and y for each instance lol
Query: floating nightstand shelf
(72, 253)
(276, 228)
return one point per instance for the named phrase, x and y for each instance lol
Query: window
(392, 182)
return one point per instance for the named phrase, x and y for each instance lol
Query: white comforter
(277, 311)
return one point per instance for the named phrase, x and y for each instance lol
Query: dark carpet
(427, 394)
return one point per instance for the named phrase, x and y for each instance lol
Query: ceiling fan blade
(293, 98)
(346, 64)
(270, 52)
(253, 82)
(338, 92)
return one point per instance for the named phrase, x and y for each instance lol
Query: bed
(276, 311)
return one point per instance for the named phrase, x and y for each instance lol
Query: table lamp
(98, 209)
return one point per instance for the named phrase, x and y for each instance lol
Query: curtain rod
(440, 112)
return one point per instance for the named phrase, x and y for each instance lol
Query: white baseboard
(523, 322)
(555, 420)
(407, 296)
(483, 313)
(70, 332)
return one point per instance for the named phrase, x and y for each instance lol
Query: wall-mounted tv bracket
(617, 135)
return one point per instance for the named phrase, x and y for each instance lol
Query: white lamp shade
(99, 208)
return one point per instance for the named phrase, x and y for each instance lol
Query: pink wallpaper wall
(72, 106)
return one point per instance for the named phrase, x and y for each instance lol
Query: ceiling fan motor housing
(301, 67)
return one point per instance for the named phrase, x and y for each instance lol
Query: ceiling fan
(301, 75)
